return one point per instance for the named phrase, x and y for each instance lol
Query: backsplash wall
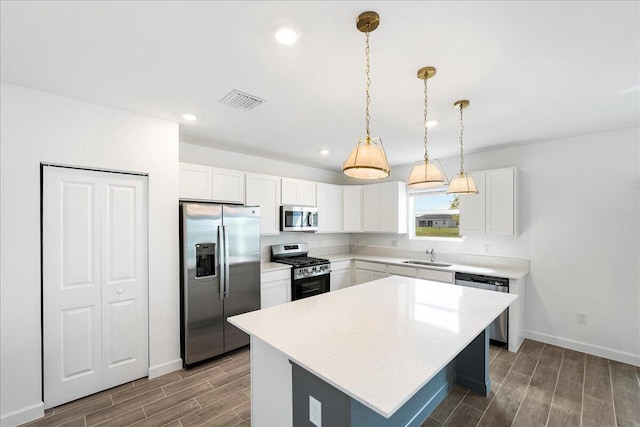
(319, 244)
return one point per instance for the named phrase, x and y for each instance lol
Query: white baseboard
(23, 415)
(165, 368)
(596, 350)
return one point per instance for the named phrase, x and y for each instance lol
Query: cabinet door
(362, 276)
(340, 279)
(371, 208)
(298, 192)
(375, 275)
(472, 209)
(228, 185)
(500, 202)
(400, 270)
(264, 191)
(329, 202)
(392, 207)
(289, 191)
(437, 275)
(274, 293)
(195, 182)
(352, 208)
(306, 193)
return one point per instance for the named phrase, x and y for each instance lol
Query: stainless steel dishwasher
(499, 329)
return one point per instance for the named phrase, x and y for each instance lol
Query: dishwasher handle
(485, 286)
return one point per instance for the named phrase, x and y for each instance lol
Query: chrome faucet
(431, 254)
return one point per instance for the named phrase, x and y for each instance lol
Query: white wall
(192, 153)
(579, 214)
(39, 127)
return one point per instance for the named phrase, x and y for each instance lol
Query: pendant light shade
(367, 159)
(426, 173)
(462, 183)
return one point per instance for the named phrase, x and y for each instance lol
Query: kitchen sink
(428, 263)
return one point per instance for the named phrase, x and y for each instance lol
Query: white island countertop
(379, 342)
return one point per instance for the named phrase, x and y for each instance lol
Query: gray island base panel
(470, 369)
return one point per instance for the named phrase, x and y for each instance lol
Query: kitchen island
(381, 353)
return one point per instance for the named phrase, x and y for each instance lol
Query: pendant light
(462, 183)
(426, 173)
(367, 159)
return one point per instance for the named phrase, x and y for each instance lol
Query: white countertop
(379, 342)
(510, 272)
(273, 266)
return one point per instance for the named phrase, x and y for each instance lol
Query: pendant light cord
(461, 146)
(367, 84)
(426, 102)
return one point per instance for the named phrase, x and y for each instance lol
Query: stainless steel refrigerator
(220, 276)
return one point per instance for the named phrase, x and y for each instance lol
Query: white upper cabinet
(393, 207)
(329, 202)
(352, 208)
(501, 202)
(228, 185)
(298, 192)
(199, 182)
(384, 208)
(371, 208)
(472, 208)
(195, 182)
(492, 211)
(264, 191)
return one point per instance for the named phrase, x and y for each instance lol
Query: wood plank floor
(544, 385)
(541, 385)
(214, 394)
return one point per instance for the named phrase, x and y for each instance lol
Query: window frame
(411, 215)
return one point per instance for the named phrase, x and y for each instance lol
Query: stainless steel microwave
(298, 218)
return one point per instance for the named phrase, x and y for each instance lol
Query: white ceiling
(532, 70)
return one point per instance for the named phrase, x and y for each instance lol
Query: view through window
(436, 215)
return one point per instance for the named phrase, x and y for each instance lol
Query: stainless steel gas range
(309, 276)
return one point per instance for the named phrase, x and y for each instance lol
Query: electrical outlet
(487, 248)
(315, 411)
(394, 243)
(582, 318)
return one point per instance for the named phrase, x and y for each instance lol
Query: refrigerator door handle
(221, 261)
(226, 261)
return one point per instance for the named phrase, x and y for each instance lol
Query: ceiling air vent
(241, 100)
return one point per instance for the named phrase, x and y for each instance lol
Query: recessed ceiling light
(189, 117)
(286, 36)
(431, 123)
(324, 152)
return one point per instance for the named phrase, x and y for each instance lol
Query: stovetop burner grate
(302, 261)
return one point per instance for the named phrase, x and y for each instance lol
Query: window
(435, 214)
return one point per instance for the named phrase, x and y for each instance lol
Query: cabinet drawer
(439, 276)
(340, 265)
(272, 276)
(400, 270)
(373, 266)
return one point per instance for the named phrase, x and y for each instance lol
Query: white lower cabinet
(437, 275)
(341, 275)
(401, 270)
(275, 288)
(367, 271)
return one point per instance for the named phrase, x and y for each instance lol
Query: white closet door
(124, 281)
(94, 281)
